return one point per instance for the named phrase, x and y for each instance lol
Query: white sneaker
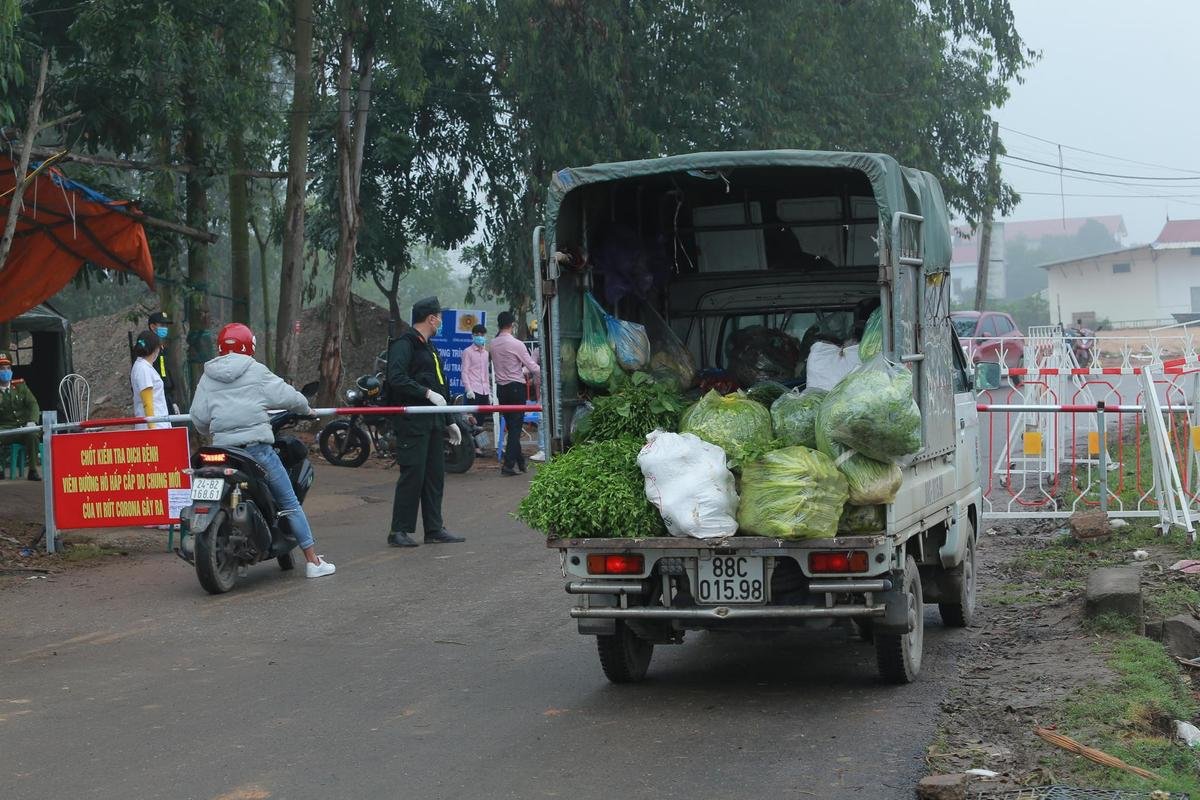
(320, 569)
(540, 455)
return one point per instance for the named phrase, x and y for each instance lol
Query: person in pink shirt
(476, 379)
(510, 362)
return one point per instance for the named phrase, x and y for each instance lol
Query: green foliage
(766, 392)
(1026, 312)
(593, 490)
(636, 407)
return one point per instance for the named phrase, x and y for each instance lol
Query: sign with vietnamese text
(452, 338)
(110, 479)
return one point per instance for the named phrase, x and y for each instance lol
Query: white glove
(454, 433)
(434, 397)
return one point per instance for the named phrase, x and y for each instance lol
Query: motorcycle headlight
(352, 396)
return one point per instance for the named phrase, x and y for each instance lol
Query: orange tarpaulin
(62, 225)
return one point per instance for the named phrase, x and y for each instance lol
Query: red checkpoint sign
(111, 479)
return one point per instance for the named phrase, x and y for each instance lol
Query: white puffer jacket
(232, 399)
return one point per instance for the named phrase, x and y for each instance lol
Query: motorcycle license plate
(730, 579)
(207, 488)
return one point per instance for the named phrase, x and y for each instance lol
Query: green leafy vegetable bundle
(794, 416)
(593, 490)
(793, 493)
(871, 343)
(872, 411)
(862, 519)
(595, 361)
(637, 406)
(736, 424)
(766, 392)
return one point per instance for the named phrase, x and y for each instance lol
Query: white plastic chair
(76, 397)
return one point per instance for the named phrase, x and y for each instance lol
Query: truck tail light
(846, 561)
(613, 564)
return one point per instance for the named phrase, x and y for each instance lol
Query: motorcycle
(1083, 343)
(348, 442)
(233, 520)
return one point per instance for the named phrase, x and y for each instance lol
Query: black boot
(400, 539)
(442, 537)
(34, 475)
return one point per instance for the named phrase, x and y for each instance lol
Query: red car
(988, 334)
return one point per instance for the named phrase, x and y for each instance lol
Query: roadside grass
(1067, 558)
(89, 552)
(1131, 718)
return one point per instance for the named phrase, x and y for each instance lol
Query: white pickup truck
(792, 241)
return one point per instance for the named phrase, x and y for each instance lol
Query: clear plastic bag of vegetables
(872, 411)
(766, 392)
(595, 361)
(858, 520)
(871, 482)
(871, 343)
(733, 422)
(670, 361)
(794, 417)
(793, 493)
(628, 340)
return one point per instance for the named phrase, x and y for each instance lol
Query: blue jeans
(281, 489)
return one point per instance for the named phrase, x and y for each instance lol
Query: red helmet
(236, 338)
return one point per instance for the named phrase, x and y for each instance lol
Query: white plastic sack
(828, 364)
(689, 484)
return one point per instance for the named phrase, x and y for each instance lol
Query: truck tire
(623, 656)
(959, 613)
(898, 655)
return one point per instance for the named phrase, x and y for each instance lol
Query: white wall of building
(1178, 275)
(1091, 286)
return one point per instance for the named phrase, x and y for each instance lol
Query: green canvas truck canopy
(896, 188)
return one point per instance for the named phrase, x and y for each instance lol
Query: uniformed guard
(160, 323)
(415, 378)
(19, 409)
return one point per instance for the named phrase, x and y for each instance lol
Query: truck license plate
(730, 579)
(207, 488)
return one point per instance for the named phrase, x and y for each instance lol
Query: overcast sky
(1119, 78)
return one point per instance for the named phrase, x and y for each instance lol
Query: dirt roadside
(1033, 657)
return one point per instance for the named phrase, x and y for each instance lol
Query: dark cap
(158, 318)
(423, 308)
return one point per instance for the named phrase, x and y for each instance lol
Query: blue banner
(452, 338)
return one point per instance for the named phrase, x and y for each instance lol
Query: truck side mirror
(987, 376)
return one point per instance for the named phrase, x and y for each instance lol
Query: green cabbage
(595, 363)
(794, 416)
(736, 424)
(793, 493)
(872, 411)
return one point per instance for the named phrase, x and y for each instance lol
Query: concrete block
(1089, 526)
(943, 787)
(1181, 636)
(1114, 590)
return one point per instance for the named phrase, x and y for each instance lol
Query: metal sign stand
(49, 419)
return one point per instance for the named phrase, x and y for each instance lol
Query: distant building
(1132, 286)
(964, 265)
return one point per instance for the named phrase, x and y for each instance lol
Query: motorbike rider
(415, 377)
(231, 402)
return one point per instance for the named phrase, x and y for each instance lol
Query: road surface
(448, 671)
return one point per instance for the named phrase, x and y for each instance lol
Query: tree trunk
(291, 277)
(239, 233)
(31, 129)
(263, 249)
(353, 106)
(170, 283)
(200, 338)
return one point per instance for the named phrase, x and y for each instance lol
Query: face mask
(480, 340)
(5, 375)
(161, 332)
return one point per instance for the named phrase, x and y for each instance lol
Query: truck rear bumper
(720, 613)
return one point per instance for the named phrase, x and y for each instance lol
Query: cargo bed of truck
(763, 543)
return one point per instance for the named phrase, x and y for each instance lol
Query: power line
(1106, 174)
(1130, 196)
(1096, 153)
(1054, 172)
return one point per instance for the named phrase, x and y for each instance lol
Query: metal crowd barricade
(51, 427)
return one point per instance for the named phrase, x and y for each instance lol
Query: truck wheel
(623, 656)
(960, 613)
(899, 654)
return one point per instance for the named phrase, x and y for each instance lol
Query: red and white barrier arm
(1049, 408)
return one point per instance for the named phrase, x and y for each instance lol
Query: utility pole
(985, 234)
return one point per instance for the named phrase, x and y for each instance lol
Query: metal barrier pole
(1102, 433)
(49, 418)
